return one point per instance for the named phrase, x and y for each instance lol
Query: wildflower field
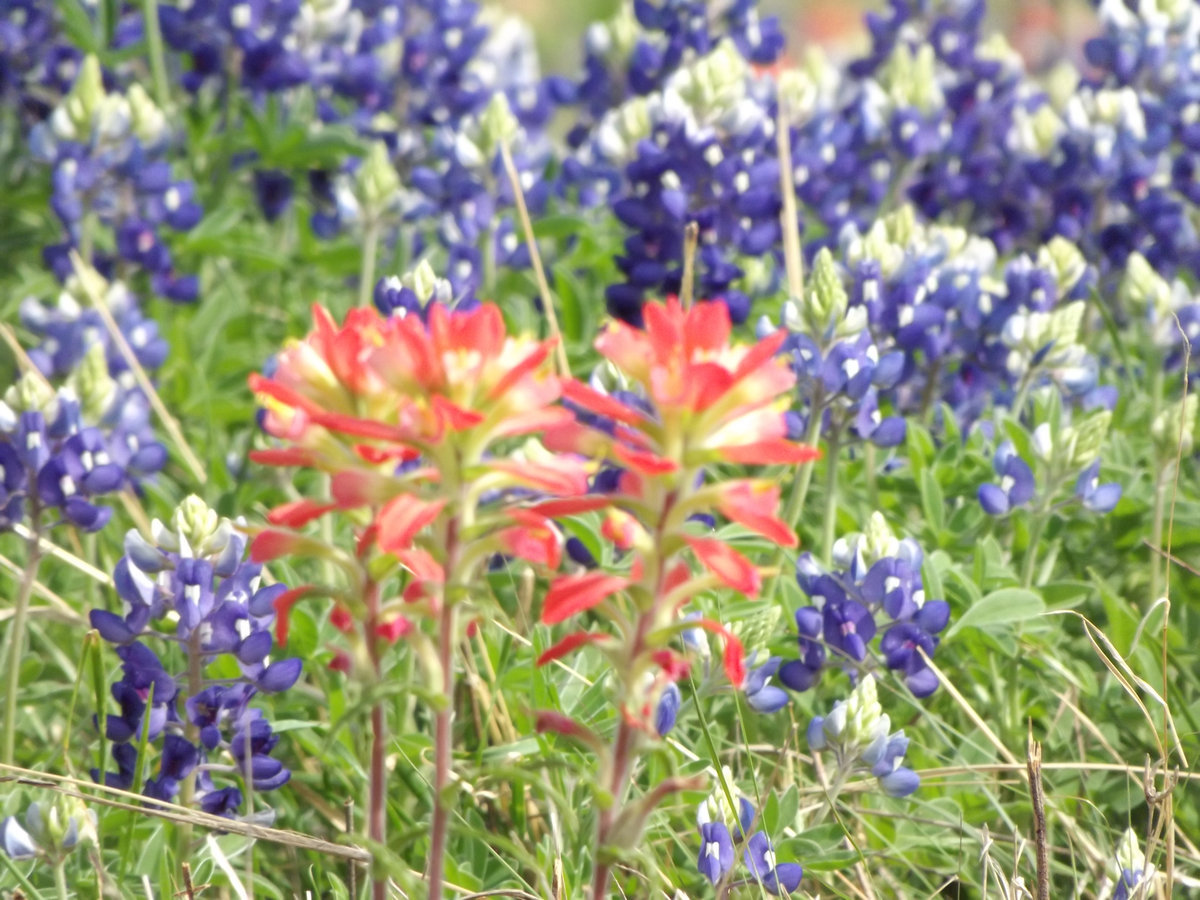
(714, 468)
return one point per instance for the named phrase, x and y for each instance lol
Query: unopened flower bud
(147, 120)
(497, 126)
(32, 393)
(72, 120)
(378, 182)
(1174, 428)
(1142, 287)
(1066, 261)
(95, 387)
(826, 300)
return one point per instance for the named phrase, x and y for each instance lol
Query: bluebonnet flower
(55, 462)
(637, 51)
(778, 878)
(696, 151)
(49, 830)
(1097, 497)
(856, 731)
(875, 590)
(101, 431)
(763, 696)
(716, 808)
(667, 710)
(273, 190)
(1016, 487)
(193, 576)
(1133, 871)
(716, 851)
(107, 152)
(1064, 452)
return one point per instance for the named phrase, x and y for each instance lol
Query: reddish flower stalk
(711, 402)
(424, 430)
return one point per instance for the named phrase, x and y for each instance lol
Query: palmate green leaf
(1001, 607)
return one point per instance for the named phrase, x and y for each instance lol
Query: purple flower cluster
(107, 153)
(194, 581)
(50, 462)
(1081, 158)
(636, 52)
(876, 590)
(699, 151)
(858, 733)
(840, 370)
(61, 449)
(717, 840)
(1065, 454)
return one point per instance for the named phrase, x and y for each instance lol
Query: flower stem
(795, 501)
(442, 740)
(158, 61)
(195, 684)
(618, 775)
(1031, 552)
(16, 636)
(1156, 536)
(800, 484)
(366, 277)
(60, 880)
(829, 520)
(377, 776)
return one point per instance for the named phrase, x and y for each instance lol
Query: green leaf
(932, 501)
(1001, 607)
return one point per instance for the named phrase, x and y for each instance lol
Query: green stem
(60, 880)
(16, 637)
(872, 486)
(366, 282)
(158, 60)
(1036, 531)
(795, 501)
(800, 483)
(195, 684)
(829, 521)
(1022, 395)
(1156, 535)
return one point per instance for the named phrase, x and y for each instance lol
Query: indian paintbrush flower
(426, 426)
(696, 400)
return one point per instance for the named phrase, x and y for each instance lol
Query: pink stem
(442, 738)
(377, 787)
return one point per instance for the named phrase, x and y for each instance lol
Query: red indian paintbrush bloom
(702, 400)
(427, 431)
(365, 399)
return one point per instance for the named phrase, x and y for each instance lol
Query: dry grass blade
(59, 608)
(75, 562)
(119, 799)
(967, 708)
(1127, 678)
(539, 271)
(793, 256)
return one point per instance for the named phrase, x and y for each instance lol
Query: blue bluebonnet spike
(194, 577)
